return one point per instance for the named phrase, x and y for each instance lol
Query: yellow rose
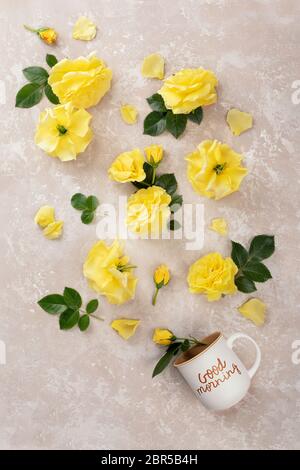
(162, 275)
(83, 81)
(162, 337)
(128, 166)
(109, 272)
(213, 276)
(214, 169)
(188, 89)
(148, 211)
(44, 216)
(48, 35)
(63, 131)
(154, 154)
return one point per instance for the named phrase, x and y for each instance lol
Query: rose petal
(220, 226)
(53, 230)
(126, 327)
(84, 29)
(153, 66)
(44, 216)
(129, 113)
(239, 121)
(254, 309)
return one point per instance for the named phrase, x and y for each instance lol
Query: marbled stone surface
(67, 390)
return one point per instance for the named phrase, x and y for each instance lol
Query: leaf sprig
(87, 205)
(161, 118)
(177, 345)
(251, 269)
(32, 93)
(68, 307)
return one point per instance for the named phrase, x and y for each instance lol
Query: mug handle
(255, 366)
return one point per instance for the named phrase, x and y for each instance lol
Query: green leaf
(29, 95)
(257, 272)
(92, 306)
(72, 298)
(36, 75)
(50, 95)
(196, 115)
(176, 123)
(84, 322)
(156, 102)
(87, 217)
(154, 123)
(173, 225)
(68, 319)
(168, 182)
(165, 360)
(51, 60)
(176, 202)
(244, 285)
(53, 303)
(148, 169)
(262, 247)
(239, 254)
(78, 201)
(92, 203)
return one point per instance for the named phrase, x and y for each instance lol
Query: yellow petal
(220, 226)
(153, 66)
(84, 29)
(239, 121)
(53, 230)
(254, 309)
(125, 327)
(129, 113)
(44, 216)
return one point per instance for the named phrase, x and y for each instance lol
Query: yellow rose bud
(213, 276)
(48, 35)
(162, 275)
(162, 337)
(44, 216)
(215, 170)
(128, 166)
(53, 230)
(154, 154)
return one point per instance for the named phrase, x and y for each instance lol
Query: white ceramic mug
(215, 373)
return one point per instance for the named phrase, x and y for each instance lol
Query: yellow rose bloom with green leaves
(213, 276)
(63, 131)
(83, 81)
(188, 89)
(128, 166)
(109, 272)
(162, 337)
(215, 170)
(148, 211)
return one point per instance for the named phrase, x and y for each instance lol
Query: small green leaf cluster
(251, 269)
(161, 118)
(87, 205)
(32, 93)
(68, 307)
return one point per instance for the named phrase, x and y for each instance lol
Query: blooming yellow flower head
(48, 35)
(153, 66)
(63, 131)
(188, 89)
(109, 272)
(212, 275)
(162, 337)
(220, 226)
(126, 327)
(44, 216)
(129, 113)
(214, 169)
(83, 81)
(254, 309)
(161, 275)
(239, 121)
(84, 29)
(53, 230)
(128, 166)
(148, 211)
(154, 154)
